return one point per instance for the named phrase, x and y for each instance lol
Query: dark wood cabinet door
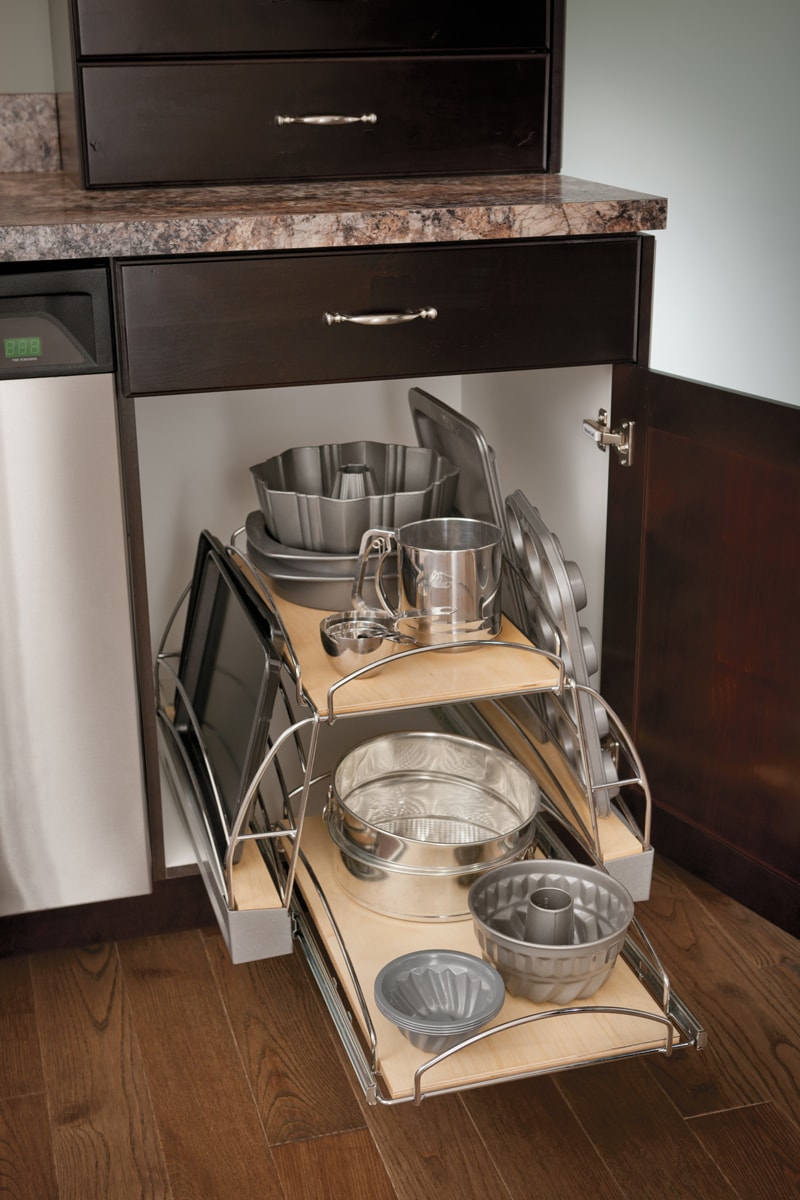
(701, 647)
(229, 122)
(180, 27)
(260, 320)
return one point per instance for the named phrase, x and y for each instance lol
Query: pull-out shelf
(623, 1019)
(279, 881)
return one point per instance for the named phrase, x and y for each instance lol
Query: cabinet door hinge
(603, 436)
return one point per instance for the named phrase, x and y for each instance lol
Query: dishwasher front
(72, 803)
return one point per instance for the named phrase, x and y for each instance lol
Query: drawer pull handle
(389, 318)
(328, 119)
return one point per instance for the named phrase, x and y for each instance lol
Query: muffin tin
(553, 593)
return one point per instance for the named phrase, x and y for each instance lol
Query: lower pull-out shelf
(622, 1019)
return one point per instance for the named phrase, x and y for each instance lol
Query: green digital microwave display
(22, 347)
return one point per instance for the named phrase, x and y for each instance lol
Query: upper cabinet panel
(107, 28)
(194, 92)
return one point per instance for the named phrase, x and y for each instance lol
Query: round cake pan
(294, 559)
(310, 578)
(416, 817)
(300, 493)
(602, 912)
(437, 998)
(327, 595)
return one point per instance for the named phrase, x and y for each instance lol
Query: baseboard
(751, 883)
(174, 904)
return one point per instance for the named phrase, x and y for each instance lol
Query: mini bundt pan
(437, 998)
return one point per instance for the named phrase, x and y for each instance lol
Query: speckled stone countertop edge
(48, 217)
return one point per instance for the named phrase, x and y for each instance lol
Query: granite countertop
(46, 216)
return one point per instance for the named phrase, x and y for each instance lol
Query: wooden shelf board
(253, 886)
(616, 840)
(549, 1045)
(430, 678)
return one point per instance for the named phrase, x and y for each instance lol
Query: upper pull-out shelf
(419, 678)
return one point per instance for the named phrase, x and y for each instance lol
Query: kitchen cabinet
(746, 845)
(308, 91)
(218, 322)
(262, 225)
(196, 27)
(636, 340)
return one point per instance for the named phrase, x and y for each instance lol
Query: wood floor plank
(645, 1144)
(20, 1054)
(751, 1013)
(750, 936)
(286, 1041)
(756, 1147)
(342, 1166)
(528, 1123)
(148, 1052)
(27, 1171)
(104, 1136)
(434, 1150)
(211, 1135)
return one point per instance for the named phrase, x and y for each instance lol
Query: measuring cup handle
(382, 540)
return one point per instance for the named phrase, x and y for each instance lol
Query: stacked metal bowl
(418, 816)
(316, 502)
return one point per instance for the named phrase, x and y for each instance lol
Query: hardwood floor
(154, 1068)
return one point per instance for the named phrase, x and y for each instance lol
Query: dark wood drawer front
(176, 27)
(216, 122)
(250, 321)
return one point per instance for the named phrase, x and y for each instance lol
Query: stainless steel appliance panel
(72, 809)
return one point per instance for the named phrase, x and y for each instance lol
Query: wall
(698, 101)
(25, 60)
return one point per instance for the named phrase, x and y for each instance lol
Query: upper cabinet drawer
(226, 122)
(247, 321)
(199, 27)
(188, 91)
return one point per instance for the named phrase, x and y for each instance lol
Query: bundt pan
(323, 498)
(560, 974)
